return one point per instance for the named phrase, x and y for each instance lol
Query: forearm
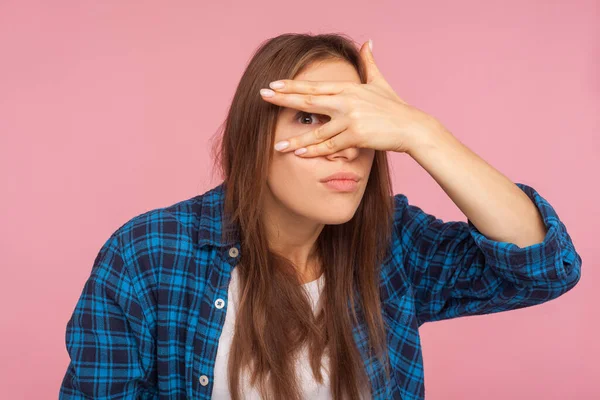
(492, 202)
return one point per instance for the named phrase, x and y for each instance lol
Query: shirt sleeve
(456, 271)
(107, 338)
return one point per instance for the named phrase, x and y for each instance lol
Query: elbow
(570, 276)
(573, 271)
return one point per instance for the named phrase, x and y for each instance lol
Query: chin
(337, 217)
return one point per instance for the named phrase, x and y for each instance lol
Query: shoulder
(158, 238)
(160, 226)
(408, 217)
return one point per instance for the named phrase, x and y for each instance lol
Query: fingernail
(281, 145)
(267, 92)
(300, 151)
(276, 85)
(371, 44)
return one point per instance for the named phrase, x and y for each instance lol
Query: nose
(349, 153)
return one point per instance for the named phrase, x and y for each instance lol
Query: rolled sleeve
(455, 270)
(552, 260)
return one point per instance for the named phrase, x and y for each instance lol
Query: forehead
(328, 70)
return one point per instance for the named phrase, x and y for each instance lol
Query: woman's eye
(303, 116)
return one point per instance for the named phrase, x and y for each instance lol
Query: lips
(342, 185)
(342, 176)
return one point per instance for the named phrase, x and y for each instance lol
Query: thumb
(367, 54)
(374, 76)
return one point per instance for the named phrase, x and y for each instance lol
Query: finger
(372, 70)
(374, 75)
(308, 87)
(320, 104)
(334, 144)
(317, 135)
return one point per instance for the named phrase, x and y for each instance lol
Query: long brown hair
(274, 317)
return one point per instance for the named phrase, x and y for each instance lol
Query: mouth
(341, 185)
(342, 176)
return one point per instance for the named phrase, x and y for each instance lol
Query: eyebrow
(296, 110)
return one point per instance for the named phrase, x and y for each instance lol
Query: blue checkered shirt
(149, 318)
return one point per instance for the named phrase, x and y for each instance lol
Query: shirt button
(204, 380)
(233, 252)
(219, 303)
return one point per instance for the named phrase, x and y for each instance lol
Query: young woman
(301, 275)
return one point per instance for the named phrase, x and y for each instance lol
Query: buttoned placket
(219, 303)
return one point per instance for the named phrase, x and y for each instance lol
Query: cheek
(294, 172)
(294, 183)
(367, 159)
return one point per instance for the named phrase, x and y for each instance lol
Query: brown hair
(274, 317)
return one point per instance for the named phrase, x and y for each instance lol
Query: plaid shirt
(148, 321)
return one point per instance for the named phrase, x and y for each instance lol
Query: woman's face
(295, 182)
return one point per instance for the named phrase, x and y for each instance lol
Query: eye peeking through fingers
(302, 116)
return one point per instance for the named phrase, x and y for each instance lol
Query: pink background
(106, 111)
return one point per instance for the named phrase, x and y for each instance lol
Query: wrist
(427, 138)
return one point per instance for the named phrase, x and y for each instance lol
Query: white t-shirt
(311, 390)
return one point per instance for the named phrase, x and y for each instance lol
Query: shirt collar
(212, 223)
